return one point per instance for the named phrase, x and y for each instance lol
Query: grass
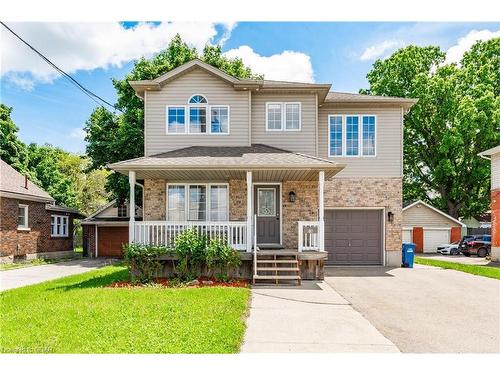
(76, 314)
(30, 263)
(486, 271)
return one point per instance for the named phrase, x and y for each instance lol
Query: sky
(48, 109)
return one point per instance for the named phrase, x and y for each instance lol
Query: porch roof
(224, 163)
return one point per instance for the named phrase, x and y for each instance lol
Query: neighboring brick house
(31, 224)
(280, 168)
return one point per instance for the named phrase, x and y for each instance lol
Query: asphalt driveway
(36, 274)
(309, 318)
(425, 309)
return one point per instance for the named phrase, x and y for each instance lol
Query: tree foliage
(63, 175)
(456, 117)
(115, 137)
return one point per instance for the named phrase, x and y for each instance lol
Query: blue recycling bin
(408, 254)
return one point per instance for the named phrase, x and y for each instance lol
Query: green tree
(12, 149)
(456, 117)
(115, 137)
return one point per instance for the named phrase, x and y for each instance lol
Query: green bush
(143, 261)
(221, 257)
(189, 247)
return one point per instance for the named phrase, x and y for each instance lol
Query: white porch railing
(309, 235)
(163, 233)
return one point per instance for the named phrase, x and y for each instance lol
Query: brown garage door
(353, 237)
(110, 241)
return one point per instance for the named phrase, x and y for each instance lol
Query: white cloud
(87, 46)
(377, 50)
(456, 52)
(286, 66)
(78, 133)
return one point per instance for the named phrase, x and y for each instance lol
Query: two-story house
(293, 168)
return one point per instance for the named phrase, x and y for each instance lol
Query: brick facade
(237, 200)
(14, 242)
(89, 240)
(155, 199)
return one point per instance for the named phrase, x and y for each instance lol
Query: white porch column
(321, 213)
(249, 211)
(131, 201)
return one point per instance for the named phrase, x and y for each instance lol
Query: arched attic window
(198, 99)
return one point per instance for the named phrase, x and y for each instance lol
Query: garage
(353, 237)
(407, 235)
(433, 237)
(110, 241)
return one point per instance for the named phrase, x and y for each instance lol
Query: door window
(266, 202)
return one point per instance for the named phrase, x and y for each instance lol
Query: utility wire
(96, 98)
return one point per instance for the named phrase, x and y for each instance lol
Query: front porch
(268, 204)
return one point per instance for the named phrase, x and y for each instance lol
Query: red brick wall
(89, 240)
(36, 240)
(495, 218)
(418, 239)
(456, 234)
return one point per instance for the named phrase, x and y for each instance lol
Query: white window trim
(24, 226)
(62, 225)
(283, 117)
(344, 135)
(186, 200)
(208, 108)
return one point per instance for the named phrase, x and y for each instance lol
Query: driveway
(310, 318)
(36, 274)
(425, 309)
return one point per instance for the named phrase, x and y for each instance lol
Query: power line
(96, 98)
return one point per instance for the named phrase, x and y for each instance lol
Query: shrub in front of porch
(191, 255)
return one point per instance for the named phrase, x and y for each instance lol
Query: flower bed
(196, 283)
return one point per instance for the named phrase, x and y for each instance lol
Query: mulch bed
(202, 282)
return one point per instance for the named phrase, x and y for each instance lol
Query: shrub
(189, 246)
(221, 257)
(143, 261)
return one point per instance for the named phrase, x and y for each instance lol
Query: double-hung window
(283, 116)
(22, 217)
(197, 117)
(351, 135)
(197, 202)
(59, 226)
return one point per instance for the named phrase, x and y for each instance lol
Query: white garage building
(428, 227)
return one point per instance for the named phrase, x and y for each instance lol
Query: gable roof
(14, 184)
(322, 89)
(490, 152)
(410, 205)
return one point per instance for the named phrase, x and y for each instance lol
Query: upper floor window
(283, 116)
(22, 216)
(195, 99)
(197, 117)
(122, 210)
(351, 135)
(59, 226)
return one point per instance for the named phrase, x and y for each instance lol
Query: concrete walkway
(311, 318)
(36, 274)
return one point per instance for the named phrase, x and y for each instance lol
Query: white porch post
(249, 211)
(321, 196)
(131, 222)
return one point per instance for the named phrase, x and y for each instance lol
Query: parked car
(479, 245)
(449, 249)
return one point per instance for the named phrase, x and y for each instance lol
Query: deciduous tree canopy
(456, 117)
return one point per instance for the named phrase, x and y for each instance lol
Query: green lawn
(486, 271)
(76, 314)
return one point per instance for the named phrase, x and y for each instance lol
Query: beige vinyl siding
(389, 153)
(177, 93)
(299, 141)
(495, 172)
(422, 216)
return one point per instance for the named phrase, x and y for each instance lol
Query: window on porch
(197, 202)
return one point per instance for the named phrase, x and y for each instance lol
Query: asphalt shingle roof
(11, 181)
